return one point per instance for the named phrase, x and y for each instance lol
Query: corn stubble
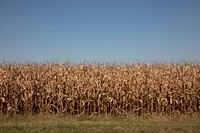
(89, 89)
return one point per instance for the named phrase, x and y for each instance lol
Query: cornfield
(99, 89)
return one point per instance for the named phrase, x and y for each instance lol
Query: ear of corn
(89, 89)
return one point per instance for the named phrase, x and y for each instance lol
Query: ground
(73, 124)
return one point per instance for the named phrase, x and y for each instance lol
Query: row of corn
(100, 89)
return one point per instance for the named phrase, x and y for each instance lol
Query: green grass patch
(73, 124)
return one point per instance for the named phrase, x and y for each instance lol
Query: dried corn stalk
(89, 89)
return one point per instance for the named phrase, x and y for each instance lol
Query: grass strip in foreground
(69, 124)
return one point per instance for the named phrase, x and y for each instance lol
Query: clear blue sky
(100, 30)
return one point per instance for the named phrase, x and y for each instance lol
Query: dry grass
(89, 89)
